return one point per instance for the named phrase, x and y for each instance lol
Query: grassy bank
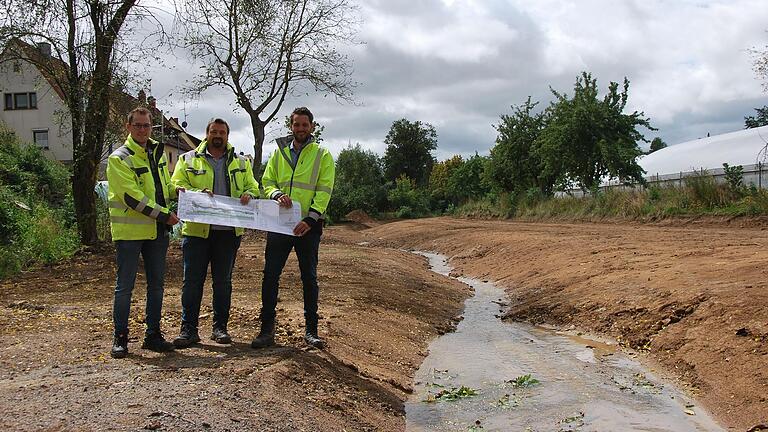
(699, 195)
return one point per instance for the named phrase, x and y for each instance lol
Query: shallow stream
(573, 384)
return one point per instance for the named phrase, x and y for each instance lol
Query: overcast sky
(460, 64)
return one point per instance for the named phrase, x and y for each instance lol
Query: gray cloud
(459, 65)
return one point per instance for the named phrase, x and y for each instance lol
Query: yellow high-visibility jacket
(194, 173)
(310, 181)
(133, 211)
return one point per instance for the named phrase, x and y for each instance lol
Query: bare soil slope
(694, 298)
(379, 310)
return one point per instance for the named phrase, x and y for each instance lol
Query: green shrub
(37, 217)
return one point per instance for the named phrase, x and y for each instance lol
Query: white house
(33, 107)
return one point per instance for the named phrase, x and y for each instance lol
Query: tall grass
(698, 195)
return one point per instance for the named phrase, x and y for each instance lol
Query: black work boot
(311, 337)
(220, 335)
(266, 336)
(154, 341)
(187, 337)
(120, 346)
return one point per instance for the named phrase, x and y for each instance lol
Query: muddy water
(583, 385)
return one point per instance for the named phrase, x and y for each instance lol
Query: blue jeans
(220, 250)
(127, 257)
(278, 248)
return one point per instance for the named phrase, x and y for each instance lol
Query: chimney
(44, 48)
(142, 97)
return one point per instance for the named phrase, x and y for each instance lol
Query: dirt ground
(379, 310)
(692, 298)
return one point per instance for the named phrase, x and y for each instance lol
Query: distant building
(33, 107)
(743, 147)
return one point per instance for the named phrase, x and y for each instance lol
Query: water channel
(583, 385)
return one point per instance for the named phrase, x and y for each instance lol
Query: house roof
(744, 147)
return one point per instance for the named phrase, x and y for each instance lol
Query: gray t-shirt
(220, 184)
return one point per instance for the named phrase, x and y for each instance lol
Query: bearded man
(215, 168)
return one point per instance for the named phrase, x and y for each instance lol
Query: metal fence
(755, 174)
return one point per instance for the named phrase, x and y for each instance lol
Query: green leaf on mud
(451, 394)
(524, 381)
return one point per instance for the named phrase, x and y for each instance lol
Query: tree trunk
(258, 141)
(83, 181)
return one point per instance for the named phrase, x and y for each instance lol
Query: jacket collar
(137, 148)
(287, 141)
(203, 147)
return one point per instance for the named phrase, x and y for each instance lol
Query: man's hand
(245, 199)
(285, 201)
(209, 192)
(179, 190)
(301, 228)
(172, 219)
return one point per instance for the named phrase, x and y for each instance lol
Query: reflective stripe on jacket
(310, 182)
(194, 173)
(133, 211)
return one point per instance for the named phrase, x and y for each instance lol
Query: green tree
(359, 183)
(761, 119)
(657, 144)
(85, 42)
(438, 182)
(468, 181)
(587, 138)
(407, 199)
(513, 164)
(409, 151)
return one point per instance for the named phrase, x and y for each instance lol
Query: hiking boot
(220, 335)
(311, 337)
(155, 341)
(187, 337)
(120, 346)
(266, 336)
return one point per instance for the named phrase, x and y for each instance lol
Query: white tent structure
(745, 147)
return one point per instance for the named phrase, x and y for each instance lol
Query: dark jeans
(220, 250)
(127, 257)
(278, 248)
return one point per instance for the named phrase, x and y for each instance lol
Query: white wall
(50, 112)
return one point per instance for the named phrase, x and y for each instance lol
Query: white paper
(260, 214)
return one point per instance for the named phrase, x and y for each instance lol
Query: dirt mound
(360, 217)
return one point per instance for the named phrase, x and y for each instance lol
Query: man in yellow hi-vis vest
(213, 167)
(299, 170)
(140, 191)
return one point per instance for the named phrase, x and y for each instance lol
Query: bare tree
(760, 64)
(266, 50)
(84, 37)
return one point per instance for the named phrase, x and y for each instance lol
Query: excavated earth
(690, 298)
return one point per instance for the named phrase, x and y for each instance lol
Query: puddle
(583, 385)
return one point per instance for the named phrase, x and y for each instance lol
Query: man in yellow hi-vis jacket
(302, 171)
(139, 193)
(213, 167)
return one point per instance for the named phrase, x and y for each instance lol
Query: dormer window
(20, 101)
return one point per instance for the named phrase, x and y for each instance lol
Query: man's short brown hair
(139, 111)
(216, 121)
(303, 111)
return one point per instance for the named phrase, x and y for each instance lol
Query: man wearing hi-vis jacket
(213, 167)
(140, 191)
(302, 171)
